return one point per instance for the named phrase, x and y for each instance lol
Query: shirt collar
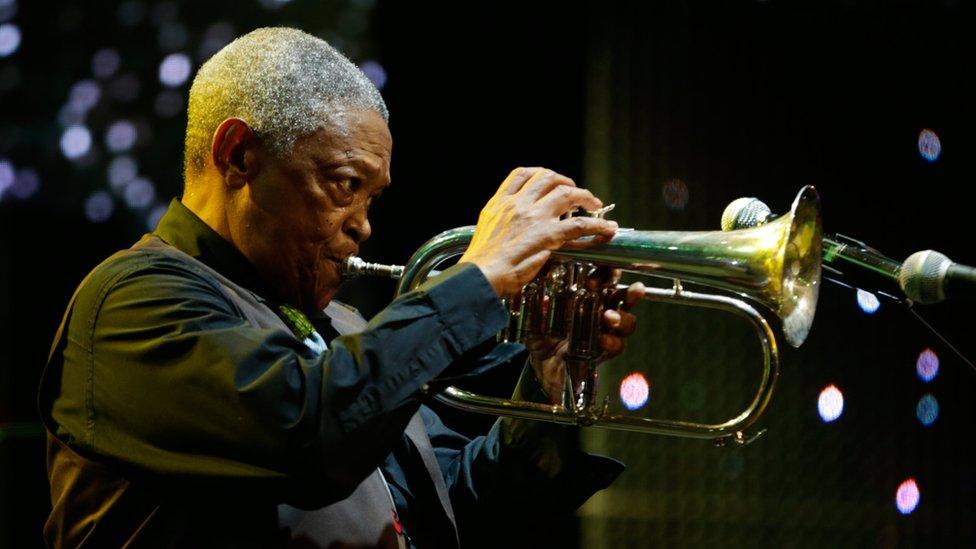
(182, 229)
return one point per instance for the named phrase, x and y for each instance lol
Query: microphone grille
(922, 276)
(743, 213)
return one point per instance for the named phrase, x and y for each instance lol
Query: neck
(205, 198)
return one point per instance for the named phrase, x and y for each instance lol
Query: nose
(357, 225)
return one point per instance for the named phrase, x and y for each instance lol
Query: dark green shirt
(162, 385)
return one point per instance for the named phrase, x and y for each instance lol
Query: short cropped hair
(283, 82)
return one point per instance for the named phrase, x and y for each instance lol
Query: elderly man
(205, 390)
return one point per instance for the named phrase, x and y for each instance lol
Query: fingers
(635, 293)
(516, 179)
(619, 323)
(560, 192)
(561, 199)
(612, 345)
(578, 227)
(544, 182)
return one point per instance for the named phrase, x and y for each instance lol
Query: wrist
(491, 275)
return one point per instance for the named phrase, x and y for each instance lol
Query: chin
(322, 298)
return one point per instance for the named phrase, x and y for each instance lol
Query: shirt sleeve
(521, 474)
(161, 372)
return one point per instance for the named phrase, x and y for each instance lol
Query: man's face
(304, 213)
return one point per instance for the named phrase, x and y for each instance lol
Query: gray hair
(283, 82)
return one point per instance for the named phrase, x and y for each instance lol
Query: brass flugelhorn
(776, 265)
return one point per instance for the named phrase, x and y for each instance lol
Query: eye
(350, 185)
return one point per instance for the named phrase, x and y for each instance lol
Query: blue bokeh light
(9, 39)
(929, 145)
(867, 301)
(830, 405)
(927, 409)
(99, 207)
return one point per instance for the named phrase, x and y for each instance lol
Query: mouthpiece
(354, 266)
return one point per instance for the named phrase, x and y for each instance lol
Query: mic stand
(909, 306)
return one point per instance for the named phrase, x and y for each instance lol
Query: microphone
(746, 212)
(925, 277)
(931, 277)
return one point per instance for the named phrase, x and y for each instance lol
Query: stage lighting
(76, 142)
(867, 301)
(634, 390)
(830, 404)
(929, 145)
(927, 365)
(927, 410)
(907, 496)
(175, 70)
(99, 206)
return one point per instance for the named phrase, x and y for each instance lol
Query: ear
(231, 141)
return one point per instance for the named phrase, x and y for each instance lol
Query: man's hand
(547, 356)
(521, 225)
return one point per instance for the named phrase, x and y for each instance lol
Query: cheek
(329, 226)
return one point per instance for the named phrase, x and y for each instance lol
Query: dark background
(721, 99)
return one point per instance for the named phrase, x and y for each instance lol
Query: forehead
(357, 136)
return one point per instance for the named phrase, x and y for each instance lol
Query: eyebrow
(360, 163)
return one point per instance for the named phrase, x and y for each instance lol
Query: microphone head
(922, 276)
(744, 213)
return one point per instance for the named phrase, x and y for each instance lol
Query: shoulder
(143, 275)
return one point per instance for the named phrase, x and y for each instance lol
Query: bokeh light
(120, 136)
(105, 63)
(121, 171)
(274, 4)
(927, 409)
(634, 390)
(9, 39)
(172, 37)
(217, 35)
(76, 142)
(152, 219)
(375, 72)
(84, 95)
(675, 194)
(867, 301)
(175, 70)
(7, 176)
(131, 13)
(26, 185)
(99, 207)
(830, 404)
(929, 145)
(927, 365)
(139, 193)
(907, 496)
(70, 115)
(8, 10)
